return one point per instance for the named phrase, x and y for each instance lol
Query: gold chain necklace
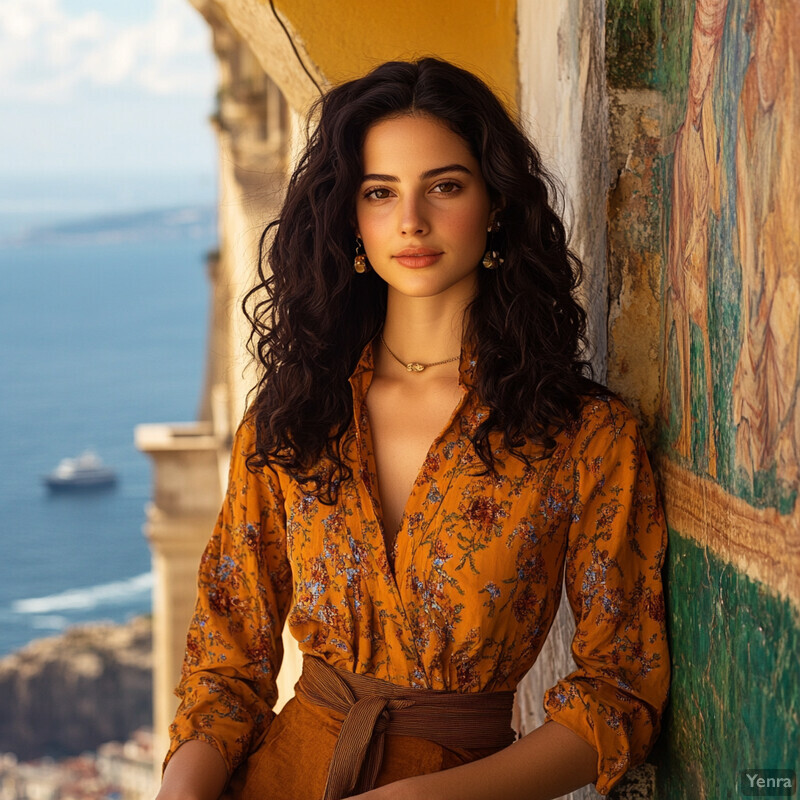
(416, 366)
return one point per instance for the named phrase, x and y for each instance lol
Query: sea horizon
(102, 327)
(38, 200)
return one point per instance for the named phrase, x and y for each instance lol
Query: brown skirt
(291, 763)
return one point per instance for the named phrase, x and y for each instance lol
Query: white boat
(87, 471)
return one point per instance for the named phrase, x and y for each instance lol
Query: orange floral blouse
(465, 600)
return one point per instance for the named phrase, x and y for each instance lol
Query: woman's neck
(422, 329)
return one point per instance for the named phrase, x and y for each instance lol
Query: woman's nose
(412, 217)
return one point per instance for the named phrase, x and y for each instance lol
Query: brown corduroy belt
(373, 707)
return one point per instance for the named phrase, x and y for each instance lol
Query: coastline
(63, 695)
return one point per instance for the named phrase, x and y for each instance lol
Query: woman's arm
(196, 771)
(234, 647)
(548, 762)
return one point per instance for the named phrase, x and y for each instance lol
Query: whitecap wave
(106, 594)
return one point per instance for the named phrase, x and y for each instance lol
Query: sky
(104, 89)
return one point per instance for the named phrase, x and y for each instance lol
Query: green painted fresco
(725, 281)
(633, 33)
(647, 45)
(713, 416)
(666, 69)
(670, 430)
(725, 274)
(700, 409)
(735, 698)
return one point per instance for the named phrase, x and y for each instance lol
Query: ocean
(103, 320)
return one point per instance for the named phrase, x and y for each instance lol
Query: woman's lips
(417, 257)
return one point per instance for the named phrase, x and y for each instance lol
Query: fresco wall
(705, 141)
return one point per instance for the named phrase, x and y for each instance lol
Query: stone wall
(564, 107)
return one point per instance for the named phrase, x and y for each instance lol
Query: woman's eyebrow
(431, 173)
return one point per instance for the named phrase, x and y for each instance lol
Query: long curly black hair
(312, 315)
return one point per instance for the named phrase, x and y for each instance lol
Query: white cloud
(49, 55)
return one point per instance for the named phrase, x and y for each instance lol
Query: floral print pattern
(466, 597)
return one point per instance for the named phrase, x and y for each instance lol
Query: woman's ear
(494, 216)
(497, 209)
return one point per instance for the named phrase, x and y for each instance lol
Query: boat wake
(115, 593)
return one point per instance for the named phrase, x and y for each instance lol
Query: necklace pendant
(415, 366)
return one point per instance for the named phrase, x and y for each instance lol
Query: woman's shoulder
(245, 459)
(603, 420)
(243, 440)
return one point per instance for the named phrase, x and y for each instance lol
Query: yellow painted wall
(346, 39)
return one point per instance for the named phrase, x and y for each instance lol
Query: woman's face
(422, 208)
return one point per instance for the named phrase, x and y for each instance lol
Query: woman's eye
(377, 194)
(446, 187)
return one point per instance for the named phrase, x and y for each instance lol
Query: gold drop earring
(360, 263)
(491, 258)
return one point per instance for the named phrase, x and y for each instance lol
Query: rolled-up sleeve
(233, 647)
(615, 553)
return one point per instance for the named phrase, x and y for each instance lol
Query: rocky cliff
(67, 694)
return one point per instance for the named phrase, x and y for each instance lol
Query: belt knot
(373, 707)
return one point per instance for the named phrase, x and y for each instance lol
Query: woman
(419, 225)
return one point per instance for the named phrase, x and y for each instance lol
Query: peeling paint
(635, 258)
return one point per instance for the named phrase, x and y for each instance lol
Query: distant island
(155, 225)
